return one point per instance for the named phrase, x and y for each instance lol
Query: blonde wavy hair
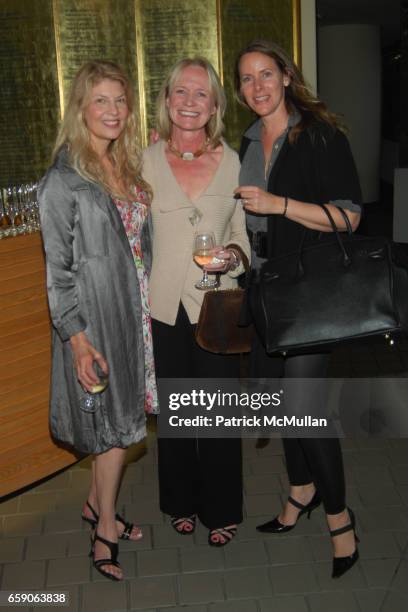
(298, 96)
(124, 152)
(215, 125)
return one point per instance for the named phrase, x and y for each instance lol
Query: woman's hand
(84, 355)
(229, 259)
(256, 200)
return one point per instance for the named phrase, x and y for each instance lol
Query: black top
(317, 168)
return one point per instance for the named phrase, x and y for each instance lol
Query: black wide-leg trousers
(317, 460)
(200, 476)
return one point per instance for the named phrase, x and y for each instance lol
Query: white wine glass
(203, 243)
(90, 400)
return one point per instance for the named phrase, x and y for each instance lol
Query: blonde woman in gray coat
(94, 210)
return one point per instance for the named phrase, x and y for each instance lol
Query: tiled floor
(44, 544)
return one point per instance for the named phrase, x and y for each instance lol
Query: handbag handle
(346, 258)
(346, 220)
(244, 258)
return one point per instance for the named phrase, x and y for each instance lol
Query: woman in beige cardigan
(193, 173)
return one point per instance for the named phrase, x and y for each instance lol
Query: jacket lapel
(98, 195)
(275, 170)
(108, 207)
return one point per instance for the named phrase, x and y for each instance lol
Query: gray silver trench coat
(92, 287)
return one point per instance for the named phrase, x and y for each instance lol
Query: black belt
(259, 243)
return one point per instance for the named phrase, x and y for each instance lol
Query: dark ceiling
(385, 13)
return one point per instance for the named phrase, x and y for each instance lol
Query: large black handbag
(328, 292)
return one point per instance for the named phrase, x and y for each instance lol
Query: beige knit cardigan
(173, 271)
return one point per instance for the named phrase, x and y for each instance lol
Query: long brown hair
(124, 152)
(298, 97)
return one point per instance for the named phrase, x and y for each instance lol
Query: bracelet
(285, 209)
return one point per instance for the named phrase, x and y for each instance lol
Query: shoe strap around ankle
(296, 503)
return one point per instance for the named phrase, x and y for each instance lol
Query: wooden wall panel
(27, 452)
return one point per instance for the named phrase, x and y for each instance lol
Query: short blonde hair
(215, 125)
(124, 151)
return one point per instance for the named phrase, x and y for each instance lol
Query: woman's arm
(239, 237)
(257, 200)
(84, 355)
(335, 175)
(57, 211)
(238, 243)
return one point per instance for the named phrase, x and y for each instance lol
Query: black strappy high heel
(127, 527)
(113, 560)
(275, 526)
(92, 521)
(341, 565)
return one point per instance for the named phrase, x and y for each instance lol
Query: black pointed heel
(113, 560)
(341, 565)
(275, 526)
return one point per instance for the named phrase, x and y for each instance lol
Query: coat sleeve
(238, 234)
(338, 176)
(57, 213)
(239, 237)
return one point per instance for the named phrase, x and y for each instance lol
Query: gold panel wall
(29, 103)
(242, 21)
(167, 32)
(90, 29)
(43, 42)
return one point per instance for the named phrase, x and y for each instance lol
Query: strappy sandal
(127, 527)
(225, 532)
(177, 522)
(92, 521)
(113, 560)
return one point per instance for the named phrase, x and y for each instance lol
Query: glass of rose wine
(203, 243)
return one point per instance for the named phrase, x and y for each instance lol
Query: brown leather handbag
(218, 329)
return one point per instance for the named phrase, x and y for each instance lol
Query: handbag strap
(346, 220)
(245, 263)
(346, 258)
(244, 258)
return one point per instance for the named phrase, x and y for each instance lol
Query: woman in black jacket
(294, 157)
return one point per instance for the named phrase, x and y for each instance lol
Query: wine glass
(203, 243)
(90, 401)
(5, 221)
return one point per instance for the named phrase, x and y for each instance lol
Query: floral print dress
(134, 214)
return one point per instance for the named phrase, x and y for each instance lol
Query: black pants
(200, 476)
(317, 460)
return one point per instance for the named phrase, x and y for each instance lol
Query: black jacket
(317, 168)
